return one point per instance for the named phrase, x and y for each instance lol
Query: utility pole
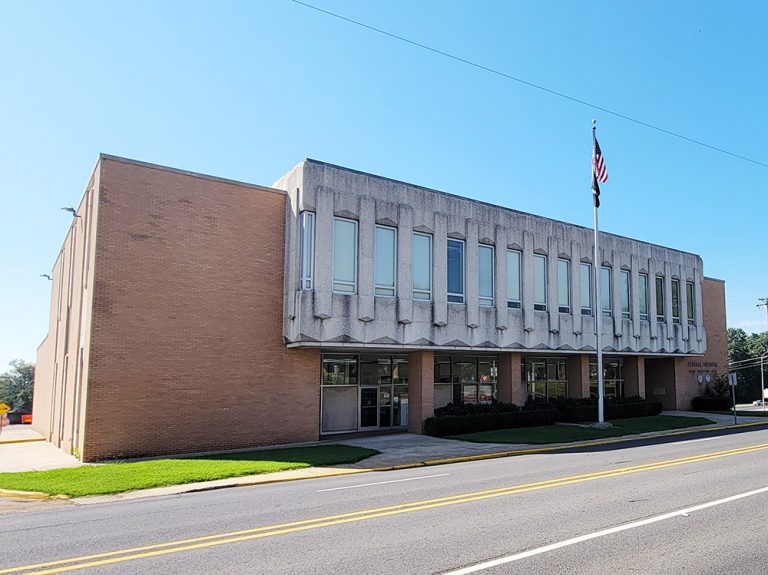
(763, 303)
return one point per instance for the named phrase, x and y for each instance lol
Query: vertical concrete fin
(576, 286)
(500, 279)
(553, 302)
(404, 262)
(635, 295)
(324, 257)
(471, 276)
(439, 267)
(365, 276)
(528, 314)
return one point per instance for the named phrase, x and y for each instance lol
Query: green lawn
(119, 477)
(567, 433)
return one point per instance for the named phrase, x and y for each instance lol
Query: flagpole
(598, 303)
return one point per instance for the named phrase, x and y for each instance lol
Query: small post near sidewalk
(732, 383)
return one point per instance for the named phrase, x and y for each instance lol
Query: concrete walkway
(23, 449)
(17, 432)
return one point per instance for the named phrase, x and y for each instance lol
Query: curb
(427, 463)
(10, 441)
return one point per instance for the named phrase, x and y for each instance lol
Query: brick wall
(187, 353)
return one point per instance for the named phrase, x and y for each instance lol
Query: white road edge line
(382, 482)
(694, 440)
(602, 533)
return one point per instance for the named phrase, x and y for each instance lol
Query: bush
(577, 410)
(475, 408)
(703, 403)
(487, 419)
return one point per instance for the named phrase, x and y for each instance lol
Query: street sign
(4, 408)
(732, 378)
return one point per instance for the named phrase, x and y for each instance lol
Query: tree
(16, 385)
(744, 347)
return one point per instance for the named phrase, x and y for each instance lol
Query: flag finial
(594, 122)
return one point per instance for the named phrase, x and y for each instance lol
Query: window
(606, 296)
(344, 256)
(540, 283)
(613, 378)
(464, 379)
(586, 289)
(485, 275)
(689, 301)
(675, 301)
(384, 260)
(659, 298)
(626, 295)
(546, 378)
(643, 296)
(514, 295)
(455, 271)
(422, 266)
(307, 249)
(563, 286)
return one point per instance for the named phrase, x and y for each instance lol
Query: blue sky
(245, 90)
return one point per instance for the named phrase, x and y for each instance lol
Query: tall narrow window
(659, 298)
(344, 256)
(422, 266)
(606, 295)
(564, 286)
(689, 293)
(540, 283)
(455, 271)
(485, 275)
(643, 296)
(307, 249)
(626, 295)
(586, 289)
(675, 301)
(384, 260)
(514, 295)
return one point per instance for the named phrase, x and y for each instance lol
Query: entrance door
(369, 408)
(385, 406)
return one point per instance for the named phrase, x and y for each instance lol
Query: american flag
(599, 171)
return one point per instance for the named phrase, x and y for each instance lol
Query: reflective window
(586, 288)
(613, 378)
(485, 275)
(625, 295)
(606, 295)
(464, 379)
(689, 293)
(659, 298)
(384, 259)
(344, 255)
(564, 286)
(307, 249)
(643, 296)
(540, 283)
(339, 370)
(455, 271)
(514, 289)
(422, 266)
(546, 378)
(675, 301)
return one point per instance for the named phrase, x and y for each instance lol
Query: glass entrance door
(369, 408)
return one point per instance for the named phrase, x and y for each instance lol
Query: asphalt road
(695, 504)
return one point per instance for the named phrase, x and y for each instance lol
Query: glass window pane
(307, 248)
(643, 296)
(586, 288)
(659, 298)
(605, 291)
(625, 294)
(339, 370)
(689, 300)
(485, 274)
(540, 282)
(455, 271)
(422, 266)
(344, 255)
(675, 300)
(564, 285)
(384, 260)
(513, 276)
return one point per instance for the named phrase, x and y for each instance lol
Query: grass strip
(116, 477)
(567, 433)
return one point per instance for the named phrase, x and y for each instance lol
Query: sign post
(732, 383)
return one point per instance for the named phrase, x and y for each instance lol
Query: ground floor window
(465, 379)
(361, 392)
(613, 377)
(546, 378)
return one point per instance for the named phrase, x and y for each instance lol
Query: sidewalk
(398, 450)
(23, 449)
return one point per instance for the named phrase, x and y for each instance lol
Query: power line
(529, 84)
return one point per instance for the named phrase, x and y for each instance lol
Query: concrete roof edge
(190, 173)
(370, 175)
(714, 279)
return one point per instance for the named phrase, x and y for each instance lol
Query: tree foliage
(16, 385)
(743, 346)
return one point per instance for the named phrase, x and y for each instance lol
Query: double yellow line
(132, 554)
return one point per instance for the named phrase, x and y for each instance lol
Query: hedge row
(702, 403)
(612, 410)
(458, 424)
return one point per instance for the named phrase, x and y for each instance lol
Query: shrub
(486, 419)
(576, 410)
(475, 408)
(703, 403)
